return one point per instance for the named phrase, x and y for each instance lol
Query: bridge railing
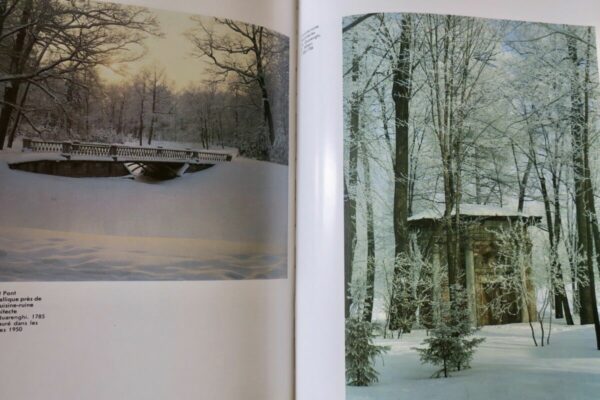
(43, 147)
(116, 152)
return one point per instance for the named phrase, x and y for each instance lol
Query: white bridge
(157, 162)
(122, 153)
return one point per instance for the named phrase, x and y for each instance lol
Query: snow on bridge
(82, 159)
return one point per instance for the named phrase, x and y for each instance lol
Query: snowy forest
(470, 187)
(91, 71)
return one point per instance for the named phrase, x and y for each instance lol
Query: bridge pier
(183, 168)
(112, 152)
(66, 150)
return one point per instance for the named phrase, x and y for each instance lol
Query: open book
(272, 199)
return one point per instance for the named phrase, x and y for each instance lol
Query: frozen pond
(227, 222)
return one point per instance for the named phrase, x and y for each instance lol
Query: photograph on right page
(471, 176)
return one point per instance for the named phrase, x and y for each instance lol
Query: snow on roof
(474, 210)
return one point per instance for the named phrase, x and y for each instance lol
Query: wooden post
(470, 267)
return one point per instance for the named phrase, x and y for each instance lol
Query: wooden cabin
(478, 230)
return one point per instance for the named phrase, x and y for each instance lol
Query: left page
(146, 201)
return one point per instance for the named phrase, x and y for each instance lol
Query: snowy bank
(506, 367)
(243, 205)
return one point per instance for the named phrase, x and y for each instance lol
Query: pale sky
(171, 52)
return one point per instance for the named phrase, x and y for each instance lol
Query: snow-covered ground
(226, 222)
(506, 366)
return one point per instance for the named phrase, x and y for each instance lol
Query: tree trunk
(523, 186)
(221, 130)
(86, 99)
(20, 52)
(151, 129)
(401, 97)
(10, 97)
(349, 245)
(595, 231)
(141, 116)
(350, 189)
(590, 205)
(266, 101)
(153, 119)
(587, 298)
(478, 180)
(562, 299)
(120, 120)
(267, 111)
(2, 16)
(13, 131)
(370, 281)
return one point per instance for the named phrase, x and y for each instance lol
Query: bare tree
(583, 187)
(401, 93)
(48, 41)
(141, 90)
(350, 184)
(159, 93)
(244, 51)
(458, 51)
(370, 275)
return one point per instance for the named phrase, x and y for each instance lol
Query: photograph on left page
(139, 144)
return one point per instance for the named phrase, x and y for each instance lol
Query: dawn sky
(171, 52)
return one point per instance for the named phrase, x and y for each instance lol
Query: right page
(447, 233)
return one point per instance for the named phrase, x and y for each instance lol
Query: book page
(147, 167)
(405, 108)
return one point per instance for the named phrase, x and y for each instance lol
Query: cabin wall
(478, 237)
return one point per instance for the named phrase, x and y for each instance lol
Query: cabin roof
(476, 211)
